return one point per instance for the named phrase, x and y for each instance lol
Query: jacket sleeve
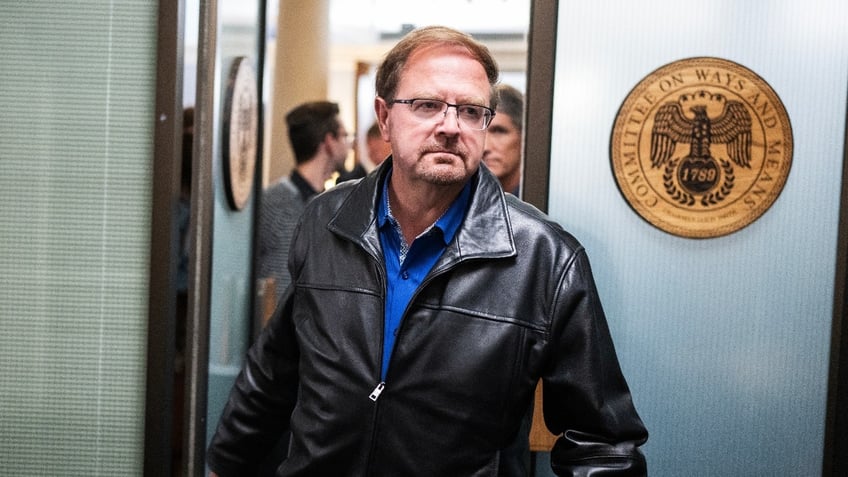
(586, 400)
(261, 400)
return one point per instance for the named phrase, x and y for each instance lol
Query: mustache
(444, 148)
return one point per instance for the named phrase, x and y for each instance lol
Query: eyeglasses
(471, 116)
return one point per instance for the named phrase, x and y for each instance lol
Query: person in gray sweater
(321, 144)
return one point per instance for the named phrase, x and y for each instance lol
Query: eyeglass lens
(472, 116)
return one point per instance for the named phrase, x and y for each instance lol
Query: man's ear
(328, 140)
(381, 109)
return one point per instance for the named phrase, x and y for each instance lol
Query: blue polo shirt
(407, 265)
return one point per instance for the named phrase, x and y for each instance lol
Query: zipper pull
(376, 392)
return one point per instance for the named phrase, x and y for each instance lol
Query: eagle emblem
(701, 147)
(701, 119)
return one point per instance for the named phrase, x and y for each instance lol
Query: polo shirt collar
(306, 190)
(448, 223)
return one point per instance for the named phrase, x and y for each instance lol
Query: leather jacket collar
(485, 231)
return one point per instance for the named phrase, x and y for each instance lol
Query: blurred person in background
(504, 139)
(378, 150)
(320, 143)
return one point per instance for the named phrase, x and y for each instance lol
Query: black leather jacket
(511, 300)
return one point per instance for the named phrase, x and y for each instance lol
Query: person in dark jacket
(425, 305)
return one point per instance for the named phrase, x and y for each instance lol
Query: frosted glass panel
(230, 314)
(724, 341)
(76, 100)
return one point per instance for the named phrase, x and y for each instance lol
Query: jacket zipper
(375, 394)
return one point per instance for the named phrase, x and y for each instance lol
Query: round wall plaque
(701, 147)
(240, 133)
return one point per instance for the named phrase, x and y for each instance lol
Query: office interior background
(733, 346)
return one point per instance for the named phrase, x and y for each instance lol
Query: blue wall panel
(725, 341)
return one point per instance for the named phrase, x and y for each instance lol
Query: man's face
(441, 151)
(342, 146)
(378, 149)
(503, 149)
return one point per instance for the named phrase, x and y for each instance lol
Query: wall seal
(701, 147)
(240, 132)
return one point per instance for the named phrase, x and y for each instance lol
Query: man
(320, 143)
(425, 305)
(502, 154)
(378, 150)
